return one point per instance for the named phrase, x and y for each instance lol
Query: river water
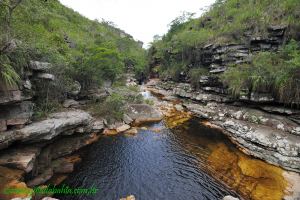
(157, 163)
(164, 161)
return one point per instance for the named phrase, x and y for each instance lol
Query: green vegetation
(194, 75)
(276, 73)
(225, 21)
(232, 22)
(113, 107)
(82, 50)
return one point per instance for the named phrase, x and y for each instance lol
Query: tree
(101, 64)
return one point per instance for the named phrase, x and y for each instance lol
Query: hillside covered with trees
(90, 52)
(247, 45)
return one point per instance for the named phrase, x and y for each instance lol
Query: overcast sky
(140, 18)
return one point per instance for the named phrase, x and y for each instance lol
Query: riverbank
(218, 115)
(43, 151)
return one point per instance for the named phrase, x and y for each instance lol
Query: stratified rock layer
(267, 132)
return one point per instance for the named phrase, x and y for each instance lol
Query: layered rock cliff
(32, 152)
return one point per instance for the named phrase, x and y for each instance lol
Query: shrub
(43, 109)
(112, 108)
(236, 78)
(195, 75)
(149, 102)
(8, 75)
(226, 21)
(101, 64)
(278, 73)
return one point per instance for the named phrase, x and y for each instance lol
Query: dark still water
(157, 163)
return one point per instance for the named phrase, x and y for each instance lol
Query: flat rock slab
(66, 146)
(55, 125)
(39, 66)
(122, 128)
(71, 103)
(20, 158)
(285, 144)
(46, 76)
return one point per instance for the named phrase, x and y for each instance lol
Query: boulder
(122, 128)
(71, 103)
(94, 94)
(76, 88)
(113, 124)
(20, 158)
(55, 125)
(27, 84)
(143, 113)
(39, 66)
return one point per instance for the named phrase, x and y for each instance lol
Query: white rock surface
(55, 125)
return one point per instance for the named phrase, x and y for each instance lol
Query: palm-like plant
(8, 76)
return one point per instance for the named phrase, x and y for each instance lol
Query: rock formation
(267, 132)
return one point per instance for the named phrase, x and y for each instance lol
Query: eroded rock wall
(31, 153)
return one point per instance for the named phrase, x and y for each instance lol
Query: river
(186, 161)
